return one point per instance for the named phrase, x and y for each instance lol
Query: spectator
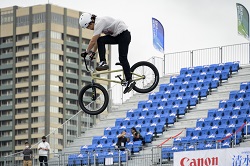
(122, 140)
(43, 148)
(137, 136)
(27, 155)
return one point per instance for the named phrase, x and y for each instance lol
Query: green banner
(243, 20)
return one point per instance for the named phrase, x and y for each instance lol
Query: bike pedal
(118, 76)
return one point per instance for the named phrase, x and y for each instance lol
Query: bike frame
(95, 77)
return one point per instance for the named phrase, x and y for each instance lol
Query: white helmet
(85, 19)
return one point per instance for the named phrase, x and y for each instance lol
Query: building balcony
(3, 87)
(72, 44)
(5, 117)
(6, 148)
(5, 138)
(6, 128)
(6, 45)
(72, 54)
(6, 66)
(72, 65)
(6, 97)
(6, 107)
(7, 55)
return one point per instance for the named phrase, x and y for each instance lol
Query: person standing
(43, 149)
(27, 155)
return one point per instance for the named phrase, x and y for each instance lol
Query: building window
(71, 70)
(71, 60)
(72, 38)
(22, 69)
(7, 40)
(56, 46)
(6, 61)
(22, 80)
(38, 56)
(22, 111)
(7, 17)
(6, 71)
(22, 48)
(22, 90)
(22, 21)
(72, 50)
(23, 37)
(7, 50)
(6, 92)
(56, 35)
(72, 22)
(23, 59)
(38, 18)
(6, 82)
(71, 81)
(22, 100)
(56, 18)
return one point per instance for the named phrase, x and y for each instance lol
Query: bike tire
(154, 71)
(90, 87)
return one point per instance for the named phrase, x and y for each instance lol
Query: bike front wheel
(146, 76)
(93, 99)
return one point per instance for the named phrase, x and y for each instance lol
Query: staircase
(186, 121)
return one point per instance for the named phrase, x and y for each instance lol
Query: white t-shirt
(42, 152)
(109, 26)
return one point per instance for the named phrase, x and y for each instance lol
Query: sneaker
(102, 66)
(129, 86)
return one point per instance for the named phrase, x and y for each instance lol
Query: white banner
(215, 157)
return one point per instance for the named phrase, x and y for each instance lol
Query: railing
(170, 63)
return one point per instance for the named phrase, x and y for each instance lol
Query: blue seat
(214, 83)
(245, 86)
(184, 71)
(171, 119)
(107, 131)
(96, 140)
(137, 146)
(226, 144)
(200, 122)
(159, 128)
(212, 113)
(198, 69)
(233, 95)
(225, 74)
(205, 68)
(173, 79)
(118, 122)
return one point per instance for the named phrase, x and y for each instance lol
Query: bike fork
(93, 91)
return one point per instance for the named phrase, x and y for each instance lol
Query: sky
(188, 24)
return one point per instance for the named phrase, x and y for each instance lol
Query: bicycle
(98, 95)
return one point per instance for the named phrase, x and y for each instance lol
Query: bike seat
(118, 63)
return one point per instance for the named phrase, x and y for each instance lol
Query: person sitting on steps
(116, 32)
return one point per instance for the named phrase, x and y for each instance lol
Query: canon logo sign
(199, 161)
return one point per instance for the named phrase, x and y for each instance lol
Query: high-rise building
(41, 74)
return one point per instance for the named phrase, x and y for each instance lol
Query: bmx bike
(93, 98)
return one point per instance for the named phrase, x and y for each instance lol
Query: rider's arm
(92, 43)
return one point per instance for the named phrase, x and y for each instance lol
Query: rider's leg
(101, 42)
(123, 44)
(102, 50)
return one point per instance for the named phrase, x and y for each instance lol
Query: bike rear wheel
(93, 99)
(150, 74)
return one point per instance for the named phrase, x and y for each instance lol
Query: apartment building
(41, 74)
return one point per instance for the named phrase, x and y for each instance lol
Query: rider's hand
(92, 56)
(84, 54)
